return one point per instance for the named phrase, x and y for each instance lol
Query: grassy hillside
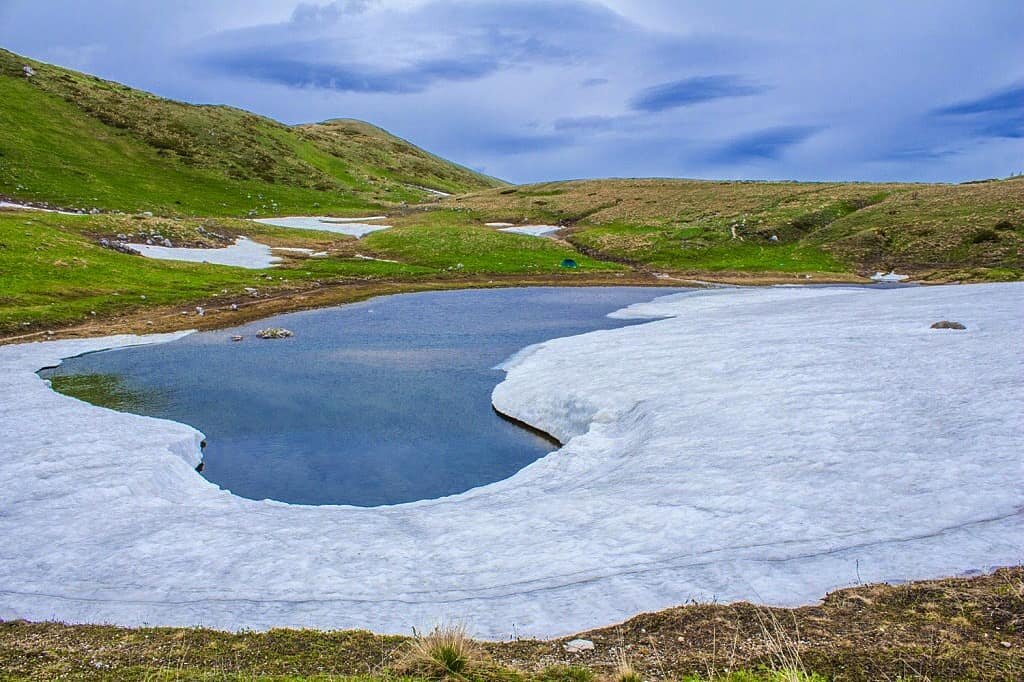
(382, 155)
(72, 139)
(975, 230)
(53, 271)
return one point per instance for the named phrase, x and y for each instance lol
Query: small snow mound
(354, 227)
(244, 253)
(891, 276)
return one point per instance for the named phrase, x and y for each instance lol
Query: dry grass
(445, 653)
(951, 629)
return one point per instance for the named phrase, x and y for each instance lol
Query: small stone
(234, 306)
(1006, 644)
(200, 311)
(236, 338)
(28, 71)
(576, 646)
(147, 214)
(167, 243)
(773, 238)
(946, 324)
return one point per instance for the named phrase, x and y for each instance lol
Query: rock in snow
(766, 444)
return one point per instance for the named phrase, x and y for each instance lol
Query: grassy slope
(826, 227)
(53, 272)
(952, 629)
(76, 140)
(362, 145)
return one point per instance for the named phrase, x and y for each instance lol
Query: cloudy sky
(533, 90)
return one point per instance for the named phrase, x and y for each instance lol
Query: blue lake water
(372, 403)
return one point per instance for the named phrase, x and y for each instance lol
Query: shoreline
(218, 313)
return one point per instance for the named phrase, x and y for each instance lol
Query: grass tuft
(445, 653)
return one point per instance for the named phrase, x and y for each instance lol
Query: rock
(578, 645)
(122, 237)
(236, 338)
(149, 241)
(274, 333)
(773, 238)
(252, 292)
(234, 306)
(94, 211)
(200, 311)
(147, 214)
(946, 324)
(105, 243)
(167, 243)
(28, 71)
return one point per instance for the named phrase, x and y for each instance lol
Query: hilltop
(72, 139)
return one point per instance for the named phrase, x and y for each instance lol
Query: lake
(373, 403)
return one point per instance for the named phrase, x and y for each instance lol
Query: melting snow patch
(767, 444)
(350, 226)
(889, 277)
(244, 253)
(533, 230)
(26, 207)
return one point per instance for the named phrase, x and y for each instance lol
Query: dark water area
(372, 403)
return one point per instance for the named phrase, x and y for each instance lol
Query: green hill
(76, 140)
(968, 231)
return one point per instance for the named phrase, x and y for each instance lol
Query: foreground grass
(952, 629)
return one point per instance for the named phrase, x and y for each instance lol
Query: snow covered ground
(764, 444)
(244, 253)
(355, 227)
(533, 230)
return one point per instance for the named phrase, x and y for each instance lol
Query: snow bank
(533, 230)
(889, 277)
(355, 227)
(244, 253)
(765, 444)
(26, 207)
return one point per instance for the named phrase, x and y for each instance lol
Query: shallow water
(379, 402)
